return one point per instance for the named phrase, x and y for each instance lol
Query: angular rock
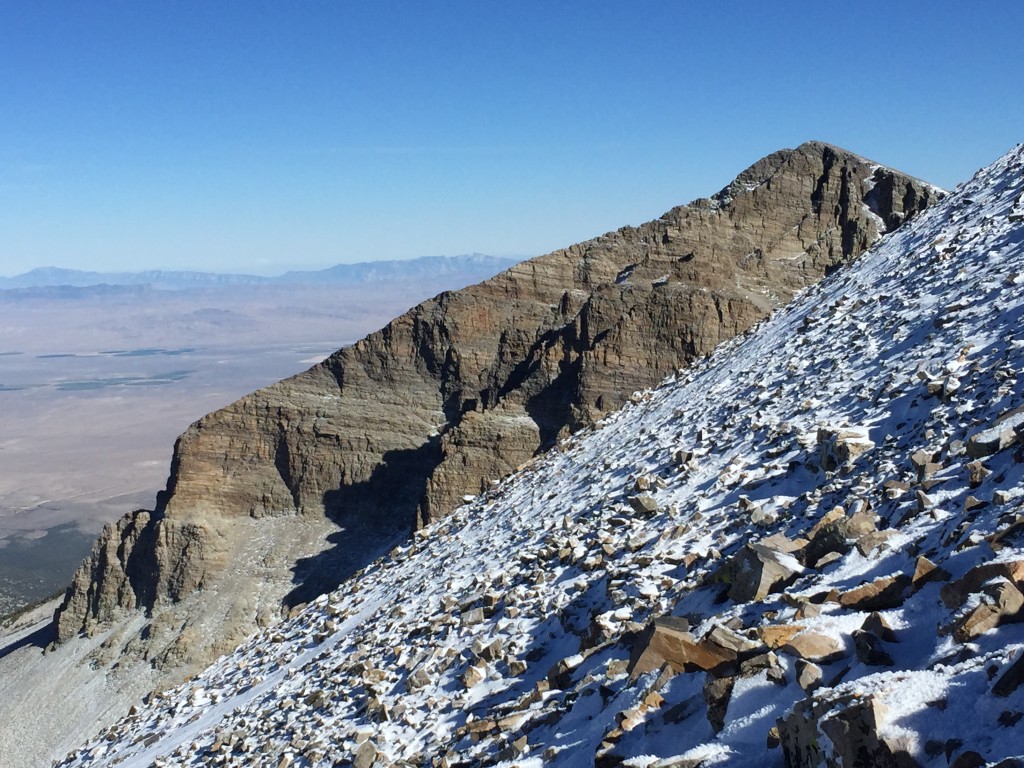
(840, 446)
(732, 642)
(852, 728)
(869, 649)
(474, 675)
(879, 627)
(717, 692)
(814, 646)
(879, 595)
(925, 463)
(873, 540)
(925, 571)
(1002, 601)
(643, 504)
(1011, 678)
(1000, 436)
(808, 675)
(666, 640)
(757, 570)
(955, 593)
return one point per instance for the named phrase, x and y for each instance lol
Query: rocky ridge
(821, 566)
(297, 485)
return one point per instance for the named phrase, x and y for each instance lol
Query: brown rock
(976, 473)
(668, 641)
(758, 570)
(925, 571)
(840, 446)
(474, 674)
(733, 642)
(808, 675)
(814, 646)
(879, 595)
(879, 627)
(1000, 436)
(926, 464)
(853, 728)
(955, 593)
(777, 635)
(643, 504)
(862, 522)
(1002, 601)
(871, 541)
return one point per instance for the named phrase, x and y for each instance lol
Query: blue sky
(256, 136)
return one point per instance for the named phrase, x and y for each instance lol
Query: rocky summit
(274, 499)
(806, 551)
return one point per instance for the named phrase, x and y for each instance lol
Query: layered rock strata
(279, 496)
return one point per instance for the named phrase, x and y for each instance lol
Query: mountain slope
(297, 485)
(830, 511)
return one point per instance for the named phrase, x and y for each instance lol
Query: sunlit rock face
(281, 495)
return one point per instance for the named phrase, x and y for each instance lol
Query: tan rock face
(391, 432)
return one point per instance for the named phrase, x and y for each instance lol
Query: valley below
(96, 382)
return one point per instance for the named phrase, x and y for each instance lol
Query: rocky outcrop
(294, 487)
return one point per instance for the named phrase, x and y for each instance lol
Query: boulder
(1011, 678)
(717, 692)
(1004, 433)
(955, 593)
(815, 646)
(1002, 600)
(926, 464)
(667, 640)
(869, 649)
(878, 595)
(808, 675)
(643, 504)
(851, 726)
(758, 570)
(840, 446)
(925, 571)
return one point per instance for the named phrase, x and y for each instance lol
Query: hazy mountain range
(408, 270)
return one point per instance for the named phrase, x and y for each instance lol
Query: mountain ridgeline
(278, 497)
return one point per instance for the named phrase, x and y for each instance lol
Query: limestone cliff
(282, 494)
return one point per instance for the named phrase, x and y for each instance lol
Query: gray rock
(808, 675)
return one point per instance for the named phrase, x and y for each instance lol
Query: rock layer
(395, 430)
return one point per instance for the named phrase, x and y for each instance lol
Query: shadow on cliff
(372, 517)
(40, 638)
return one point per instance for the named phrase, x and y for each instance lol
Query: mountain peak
(804, 550)
(279, 497)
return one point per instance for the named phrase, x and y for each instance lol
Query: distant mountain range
(475, 264)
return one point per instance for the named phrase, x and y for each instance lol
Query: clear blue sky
(254, 136)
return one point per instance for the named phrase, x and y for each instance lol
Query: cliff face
(285, 492)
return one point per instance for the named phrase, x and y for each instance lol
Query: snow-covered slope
(787, 499)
